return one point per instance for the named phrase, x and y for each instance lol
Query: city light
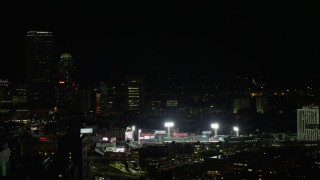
(236, 129)
(168, 125)
(215, 126)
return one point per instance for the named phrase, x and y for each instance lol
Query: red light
(42, 139)
(73, 84)
(61, 82)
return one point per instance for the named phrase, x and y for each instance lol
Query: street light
(133, 129)
(215, 126)
(236, 129)
(139, 131)
(168, 125)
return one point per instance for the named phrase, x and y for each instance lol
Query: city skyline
(150, 90)
(208, 39)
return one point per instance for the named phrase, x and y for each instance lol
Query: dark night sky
(215, 39)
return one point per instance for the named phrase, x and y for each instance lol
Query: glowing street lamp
(215, 126)
(168, 125)
(236, 129)
(139, 131)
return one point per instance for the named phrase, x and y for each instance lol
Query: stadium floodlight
(139, 131)
(215, 126)
(133, 129)
(168, 125)
(236, 129)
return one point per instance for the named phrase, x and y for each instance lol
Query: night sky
(213, 39)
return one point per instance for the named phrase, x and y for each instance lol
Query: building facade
(241, 103)
(40, 70)
(135, 93)
(308, 127)
(67, 88)
(5, 97)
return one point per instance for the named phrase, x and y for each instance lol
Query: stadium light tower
(139, 131)
(133, 129)
(236, 129)
(168, 125)
(215, 126)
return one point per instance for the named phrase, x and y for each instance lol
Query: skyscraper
(40, 70)
(261, 104)
(308, 126)
(101, 99)
(135, 93)
(67, 96)
(5, 98)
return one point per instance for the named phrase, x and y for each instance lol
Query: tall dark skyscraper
(101, 99)
(40, 70)
(67, 99)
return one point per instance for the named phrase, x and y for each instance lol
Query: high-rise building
(101, 99)
(5, 97)
(40, 70)
(261, 104)
(308, 127)
(20, 109)
(135, 93)
(87, 99)
(241, 103)
(67, 89)
(19, 95)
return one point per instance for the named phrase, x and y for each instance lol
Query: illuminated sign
(105, 139)
(206, 132)
(86, 130)
(160, 132)
(180, 134)
(61, 82)
(42, 139)
(146, 134)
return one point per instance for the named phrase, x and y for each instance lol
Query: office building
(308, 127)
(241, 104)
(67, 88)
(261, 104)
(40, 70)
(5, 97)
(101, 99)
(135, 93)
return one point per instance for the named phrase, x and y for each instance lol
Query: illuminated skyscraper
(66, 69)
(308, 126)
(261, 104)
(135, 93)
(67, 98)
(40, 70)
